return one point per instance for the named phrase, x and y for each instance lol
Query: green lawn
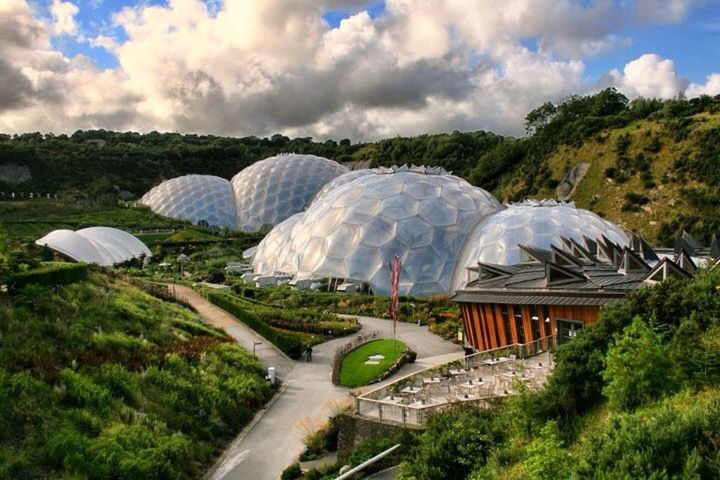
(356, 373)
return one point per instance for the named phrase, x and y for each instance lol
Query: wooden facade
(488, 326)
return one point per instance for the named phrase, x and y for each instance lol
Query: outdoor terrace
(475, 378)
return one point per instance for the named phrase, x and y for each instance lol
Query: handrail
(367, 463)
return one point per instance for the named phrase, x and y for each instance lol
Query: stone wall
(354, 430)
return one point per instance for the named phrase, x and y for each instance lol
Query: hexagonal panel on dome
(194, 198)
(271, 190)
(268, 250)
(342, 180)
(400, 212)
(540, 224)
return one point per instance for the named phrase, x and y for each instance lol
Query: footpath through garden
(275, 438)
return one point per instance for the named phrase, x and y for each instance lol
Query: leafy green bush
(454, 444)
(135, 451)
(50, 274)
(576, 383)
(119, 340)
(79, 390)
(293, 472)
(546, 458)
(638, 368)
(677, 439)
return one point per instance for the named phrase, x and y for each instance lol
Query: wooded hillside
(653, 166)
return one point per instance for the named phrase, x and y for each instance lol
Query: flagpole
(394, 286)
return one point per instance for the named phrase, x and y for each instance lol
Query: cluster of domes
(99, 245)
(436, 223)
(256, 199)
(327, 222)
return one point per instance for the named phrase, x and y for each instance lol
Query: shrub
(81, 391)
(119, 340)
(134, 451)
(576, 383)
(454, 443)
(120, 382)
(51, 274)
(67, 448)
(639, 368)
(293, 472)
(547, 460)
(677, 439)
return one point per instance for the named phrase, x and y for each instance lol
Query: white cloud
(240, 67)
(711, 87)
(64, 15)
(650, 76)
(108, 43)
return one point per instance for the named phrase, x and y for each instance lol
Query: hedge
(291, 345)
(50, 274)
(298, 320)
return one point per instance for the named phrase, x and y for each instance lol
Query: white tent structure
(99, 245)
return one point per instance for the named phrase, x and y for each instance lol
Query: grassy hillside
(654, 166)
(656, 194)
(100, 380)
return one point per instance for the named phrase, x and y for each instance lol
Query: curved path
(275, 439)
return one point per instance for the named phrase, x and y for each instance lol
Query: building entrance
(567, 329)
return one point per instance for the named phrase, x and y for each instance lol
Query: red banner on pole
(394, 284)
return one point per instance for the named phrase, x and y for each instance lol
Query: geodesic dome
(354, 230)
(194, 198)
(99, 245)
(267, 252)
(271, 190)
(536, 223)
(342, 180)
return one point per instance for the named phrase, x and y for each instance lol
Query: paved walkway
(245, 336)
(266, 447)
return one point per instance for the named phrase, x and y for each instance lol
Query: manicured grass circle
(356, 373)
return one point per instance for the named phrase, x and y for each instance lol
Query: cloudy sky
(339, 68)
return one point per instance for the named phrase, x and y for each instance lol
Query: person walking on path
(308, 353)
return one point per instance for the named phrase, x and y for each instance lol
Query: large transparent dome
(535, 223)
(194, 198)
(354, 230)
(268, 251)
(271, 190)
(343, 179)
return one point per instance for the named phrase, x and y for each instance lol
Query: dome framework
(536, 223)
(353, 231)
(195, 198)
(271, 190)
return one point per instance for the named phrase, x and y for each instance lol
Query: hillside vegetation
(653, 164)
(654, 167)
(636, 395)
(100, 380)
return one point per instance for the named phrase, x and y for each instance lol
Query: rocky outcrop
(11, 173)
(570, 181)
